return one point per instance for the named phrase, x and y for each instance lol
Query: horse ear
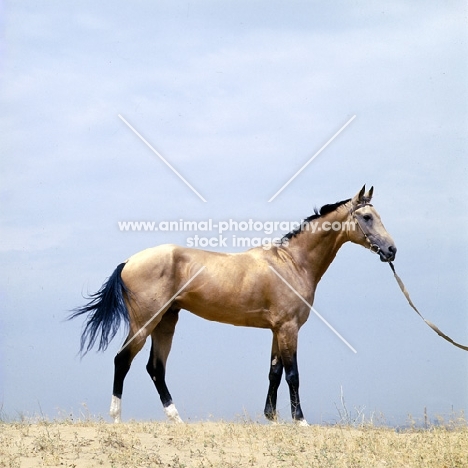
(359, 196)
(369, 194)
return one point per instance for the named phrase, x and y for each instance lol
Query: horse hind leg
(122, 363)
(161, 346)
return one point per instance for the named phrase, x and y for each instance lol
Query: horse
(264, 288)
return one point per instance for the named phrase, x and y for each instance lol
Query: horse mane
(317, 214)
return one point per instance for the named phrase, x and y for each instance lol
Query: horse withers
(264, 288)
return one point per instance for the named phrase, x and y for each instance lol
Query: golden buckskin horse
(264, 288)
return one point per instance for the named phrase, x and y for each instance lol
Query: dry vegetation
(221, 444)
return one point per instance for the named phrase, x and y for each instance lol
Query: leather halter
(374, 248)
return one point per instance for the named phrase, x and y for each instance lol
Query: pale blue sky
(237, 96)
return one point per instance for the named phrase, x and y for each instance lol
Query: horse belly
(231, 288)
(239, 316)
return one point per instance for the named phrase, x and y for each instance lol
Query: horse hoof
(173, 414)
(115, 409)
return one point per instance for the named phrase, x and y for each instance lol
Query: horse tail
(107, 309)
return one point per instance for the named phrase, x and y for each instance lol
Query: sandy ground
(157, 444)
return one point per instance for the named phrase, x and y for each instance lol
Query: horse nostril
(392, 249)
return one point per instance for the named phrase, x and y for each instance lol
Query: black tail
(107, 308)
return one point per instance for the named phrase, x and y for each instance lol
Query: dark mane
(317, 214)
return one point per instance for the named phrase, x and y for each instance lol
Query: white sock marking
(115, 408)
(172, 413)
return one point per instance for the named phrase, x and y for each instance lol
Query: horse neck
(315, 248)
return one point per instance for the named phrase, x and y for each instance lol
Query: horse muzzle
(388, 254)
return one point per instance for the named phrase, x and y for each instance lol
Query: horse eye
(367, 218)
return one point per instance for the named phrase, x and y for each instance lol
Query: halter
(374, 248)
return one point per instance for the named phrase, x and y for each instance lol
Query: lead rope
(410, 302)
(375, 249)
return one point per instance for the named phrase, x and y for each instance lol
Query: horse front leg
(287, 343)
(292, 377)
(276, 372)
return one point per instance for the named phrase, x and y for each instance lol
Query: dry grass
(221, 444)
